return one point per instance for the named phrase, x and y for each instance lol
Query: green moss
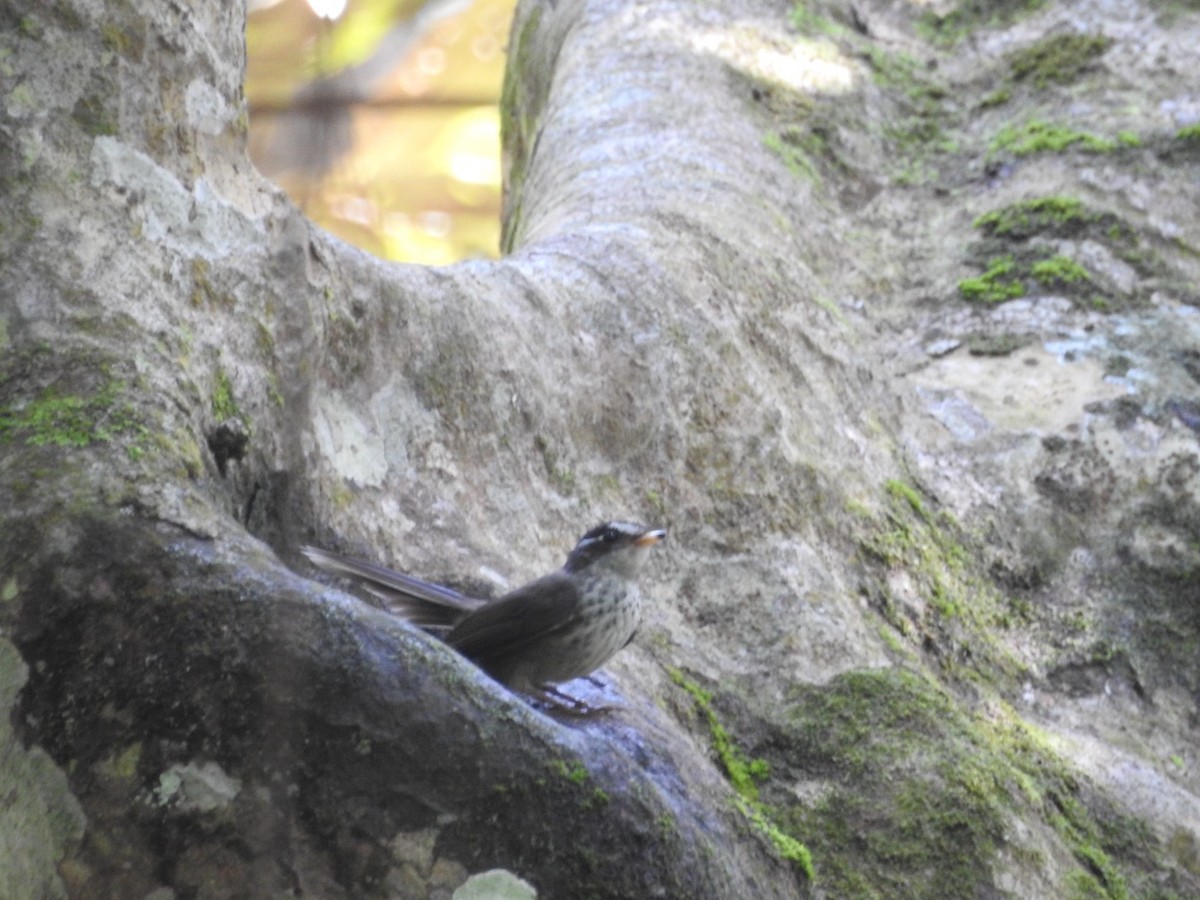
(1008, 233)
(918, 134)
(911, 810)
(126, 38)
(795, 147)
(908, 75)
(1189, 135)
(807, 20)
(789, 848)
(1036, 136)
(1058, 59)
(998, 97)
(341, 496)
(1059, 270)
(560, 476)
(1028, 217)
(920, 792)
(1092, 838)
(201, 287)
(522, 96)
(901, 491)
(21, 100)
(995, 285)
(859, 509)
(923, 768)
(55, 418)
(744, 775)
(264, 339)
(1184, 846)
(93, 115)
(574, 772)
(1006, 276)
(831, 308)
(181, 446)
(64, 421)
(122, 766)
(970, 15)
(224, 405)
(954, 607)
(204, 291)
(273, 392)
(667, 825)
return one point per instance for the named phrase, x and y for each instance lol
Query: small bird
(558, 627)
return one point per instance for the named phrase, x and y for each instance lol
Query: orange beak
(650, 538)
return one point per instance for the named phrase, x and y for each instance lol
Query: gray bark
(949, 600)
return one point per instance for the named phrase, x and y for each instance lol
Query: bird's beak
(650, 538)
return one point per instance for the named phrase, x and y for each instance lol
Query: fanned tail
(429, 606)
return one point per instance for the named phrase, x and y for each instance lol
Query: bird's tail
(429, 606)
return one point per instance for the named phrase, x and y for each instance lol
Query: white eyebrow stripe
(627, 527)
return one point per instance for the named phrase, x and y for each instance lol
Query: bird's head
(617, 546)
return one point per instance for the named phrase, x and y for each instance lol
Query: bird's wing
(422, 602)
(521, 617)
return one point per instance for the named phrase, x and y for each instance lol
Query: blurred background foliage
(379, 118)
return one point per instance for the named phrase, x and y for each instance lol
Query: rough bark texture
(930, 605)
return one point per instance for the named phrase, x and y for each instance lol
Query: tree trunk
(915, 601)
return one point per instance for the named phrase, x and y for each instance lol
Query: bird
(561, 626)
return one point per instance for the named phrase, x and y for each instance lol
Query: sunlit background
(379, 118)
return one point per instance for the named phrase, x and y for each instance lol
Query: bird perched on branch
(558, 627)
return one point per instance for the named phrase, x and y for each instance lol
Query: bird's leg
(562, 702)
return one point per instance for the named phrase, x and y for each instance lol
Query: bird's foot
(562, 703)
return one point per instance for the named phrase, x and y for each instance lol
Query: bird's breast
(609, 612)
